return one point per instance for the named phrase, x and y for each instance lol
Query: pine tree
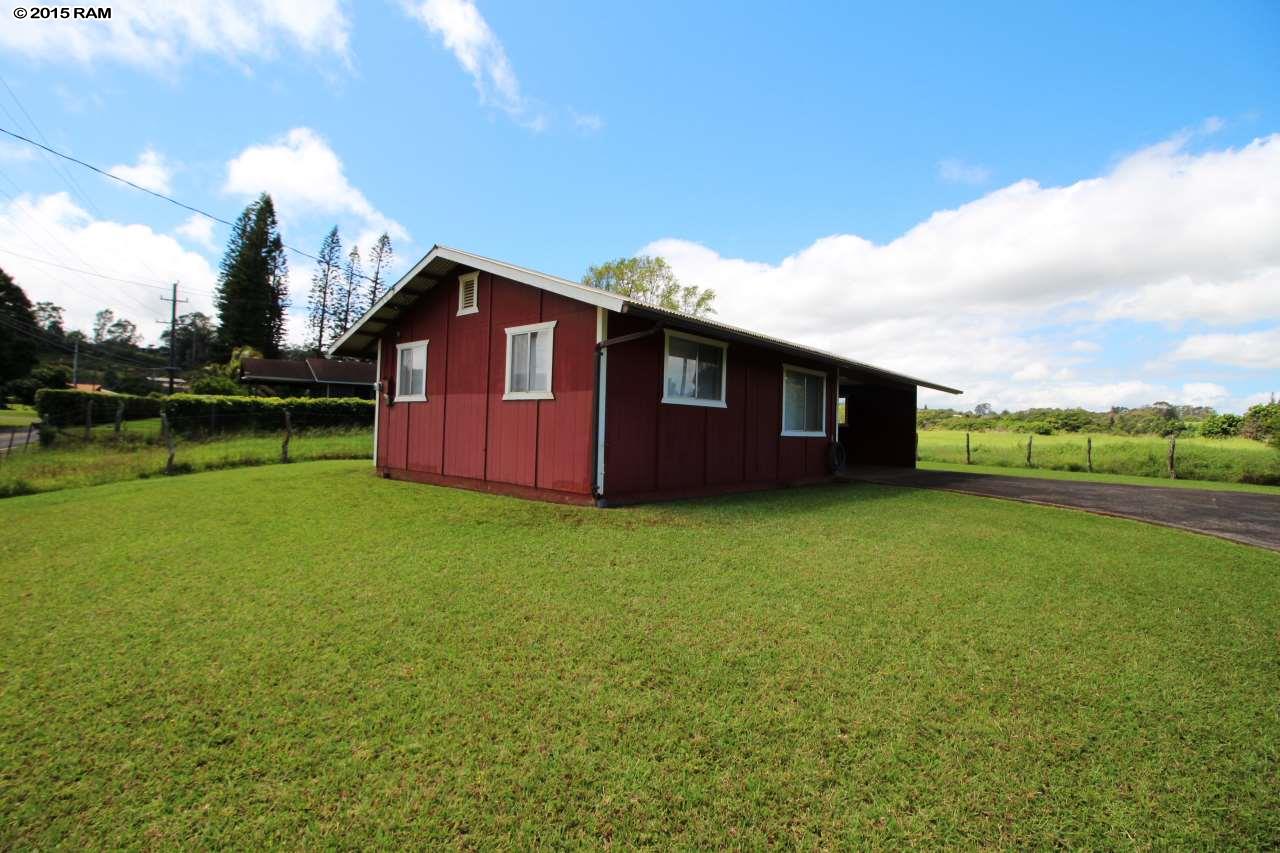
(252, 294)
(347, 302)
(326, 284)
(380, 257)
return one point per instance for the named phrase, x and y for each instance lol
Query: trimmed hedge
(65, 407)
(203, 414)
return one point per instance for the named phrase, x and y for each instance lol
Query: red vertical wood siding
(465, 429)
(655, 449)
(566, 424)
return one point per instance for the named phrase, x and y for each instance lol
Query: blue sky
(1074, 204)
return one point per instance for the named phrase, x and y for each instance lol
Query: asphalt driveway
(1240, 516)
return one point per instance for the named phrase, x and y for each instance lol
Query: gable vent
(468, 293)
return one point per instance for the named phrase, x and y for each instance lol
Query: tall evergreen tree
(347, 304)
(380, 257)
(326, 284)
(18, 347)
(252, 294)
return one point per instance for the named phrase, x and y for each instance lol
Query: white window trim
(803, 433)
(507, 393)
(472, 278)
(724, 371)
(412, 398)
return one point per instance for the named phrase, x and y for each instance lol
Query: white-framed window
(411, 372)
(804, 402)
(529, 352)
(468, 293)
(694, 370)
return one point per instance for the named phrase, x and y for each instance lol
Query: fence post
(88, 418)
(168, 440)
(1088, 453)
(917, 450)
(30, 427)
(1029, 437)
(119, 414)
(288, 433)
(1173, 462)
(968, 460)
(12, 433)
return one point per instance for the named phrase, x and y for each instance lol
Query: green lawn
(311, 656)
(1230, 460)
(1082, 476)
(17, 416)
(138, 453)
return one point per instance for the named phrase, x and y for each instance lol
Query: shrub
(213, 384)
(1262, 422)
(1221, 426)
(50, 376)
(65, 407)
(194, 414)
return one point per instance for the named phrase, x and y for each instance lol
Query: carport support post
(1088, 453)
(968, 460)
(1029, 437)
(1173, 462)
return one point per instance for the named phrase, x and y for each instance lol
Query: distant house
(499, 378)
(315, 377)
(89, 386)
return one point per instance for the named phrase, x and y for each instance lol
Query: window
(804, 401)
(468, 293)
(695, 371)
(411, 372)
(529, 361)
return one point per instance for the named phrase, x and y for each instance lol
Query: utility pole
(173, 333)
(75, 363)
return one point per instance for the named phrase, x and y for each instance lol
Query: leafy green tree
(49, 318)
(18, 349)
(194, 340)
(326, 285)
(1262, 423)
(380, 257)
(651, 281)
(252, 293)
(1221, 426)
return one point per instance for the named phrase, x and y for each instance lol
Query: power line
(96, 274)
(44, 337)
(150, 192)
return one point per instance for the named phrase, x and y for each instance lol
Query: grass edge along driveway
(309, 655)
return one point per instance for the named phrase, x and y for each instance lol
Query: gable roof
(443, 261)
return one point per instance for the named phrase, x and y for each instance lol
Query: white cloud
(53, 228)
(158, 34)
(13, 152)
(955, 171)
(198, 230)
(1257, 350)
(150, 172)
(465, 32)
(1084, 346)
(1166, 236)
(589, 122)
(305, 178)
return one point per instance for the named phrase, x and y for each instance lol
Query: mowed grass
(17, 416)
(72, 463)
(1233, 460)
(310, 656)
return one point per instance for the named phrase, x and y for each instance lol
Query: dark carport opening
(878, 426)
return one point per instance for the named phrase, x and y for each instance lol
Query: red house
(499, 378)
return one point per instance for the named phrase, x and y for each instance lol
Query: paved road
(19, 438)
(1241, 516)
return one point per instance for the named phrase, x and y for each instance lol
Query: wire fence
(1225, 460)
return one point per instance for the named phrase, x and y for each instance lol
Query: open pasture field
(308, 655)
(1231, 460)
